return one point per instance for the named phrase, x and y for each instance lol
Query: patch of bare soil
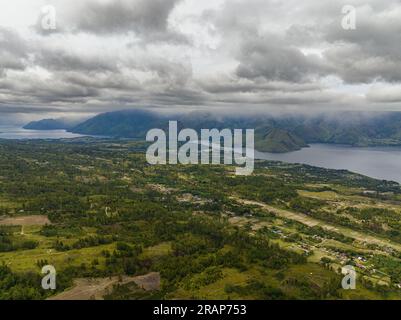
(96, 289)
(25, 221)
(149, 282)
(136, 190)
(187, 197)
(160, 188)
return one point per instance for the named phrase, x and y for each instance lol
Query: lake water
(378, 162)
(20, 134)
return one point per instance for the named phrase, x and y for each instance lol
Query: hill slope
(136, 123)
(125, 124)
(273, 134)
(50, 124)
(278, 141)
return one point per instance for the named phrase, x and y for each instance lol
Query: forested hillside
(115, 227)
(273, 133)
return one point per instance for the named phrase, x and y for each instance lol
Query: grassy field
(99, 214)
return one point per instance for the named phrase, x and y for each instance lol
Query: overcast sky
(242, 55)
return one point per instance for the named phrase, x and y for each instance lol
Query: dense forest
(94, 209)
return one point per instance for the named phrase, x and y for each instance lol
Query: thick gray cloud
(60, 60)
(144, 18)
(371, 52)
(190, 54)
(120, 16)
(271, 59)
(13, 50)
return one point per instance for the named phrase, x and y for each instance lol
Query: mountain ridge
(136, 123)
(276, 134)
(51, 124)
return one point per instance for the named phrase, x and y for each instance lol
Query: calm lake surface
(378, 162)
(21, 134)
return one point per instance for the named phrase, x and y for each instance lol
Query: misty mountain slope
(278, 141)
(272, 133)
(356, 129)
(125, 124)
(136, 123)
(50, 124)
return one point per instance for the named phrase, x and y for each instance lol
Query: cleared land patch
(96, 289)
(39, 220)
